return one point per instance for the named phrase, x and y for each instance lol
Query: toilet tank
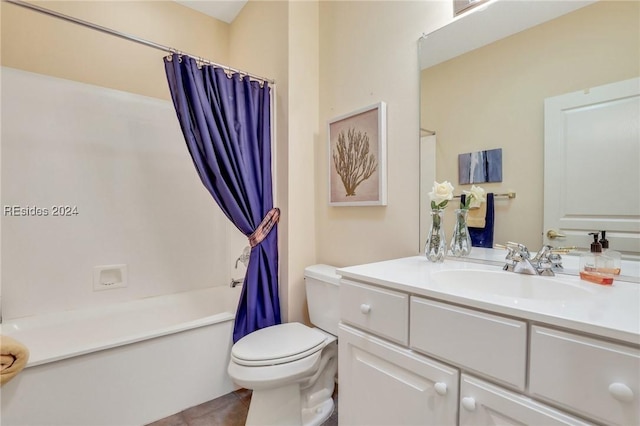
(323, 292)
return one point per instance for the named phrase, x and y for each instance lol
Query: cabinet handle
(441, 388)
(469, 403)
(621, 392)
(365, 309)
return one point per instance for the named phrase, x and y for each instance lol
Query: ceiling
(224, 10)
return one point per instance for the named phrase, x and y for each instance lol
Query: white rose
(477, 196)
(441, 192)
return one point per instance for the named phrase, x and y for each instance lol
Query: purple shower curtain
(226, 125)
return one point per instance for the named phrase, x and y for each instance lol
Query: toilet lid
(277, 344)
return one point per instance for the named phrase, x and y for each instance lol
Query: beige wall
(280, 39)
(368, 54)
(493, 98)
(303, 134)
(35, 42)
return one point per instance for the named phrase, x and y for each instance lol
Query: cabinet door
(385, 384)
(484, 404)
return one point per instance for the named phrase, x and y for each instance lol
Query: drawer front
(383, 312)
(594, 378)
(487, 344)
(482, 403)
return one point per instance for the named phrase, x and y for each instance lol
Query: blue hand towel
(483, 237)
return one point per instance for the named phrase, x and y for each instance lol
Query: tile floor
(228, 410)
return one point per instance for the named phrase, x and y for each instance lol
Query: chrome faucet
(543, 263)
(549, 259)
(244, 257)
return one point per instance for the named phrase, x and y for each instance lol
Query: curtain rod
(129, 37)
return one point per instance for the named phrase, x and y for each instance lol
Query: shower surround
(100, 177)
(95, 177)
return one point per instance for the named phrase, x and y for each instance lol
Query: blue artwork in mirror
(480, 166)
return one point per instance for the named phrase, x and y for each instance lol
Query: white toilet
(291, 368)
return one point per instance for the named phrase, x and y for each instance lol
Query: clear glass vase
(461, 240)
(436, 246)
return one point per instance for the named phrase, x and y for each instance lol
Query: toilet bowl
(291, 367)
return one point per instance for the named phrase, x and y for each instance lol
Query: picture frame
(357, 153)
(480, 166)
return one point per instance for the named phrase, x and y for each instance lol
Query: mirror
(484, 79)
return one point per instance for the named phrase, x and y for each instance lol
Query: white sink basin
(508, 284)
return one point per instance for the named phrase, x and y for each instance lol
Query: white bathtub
(126, 364)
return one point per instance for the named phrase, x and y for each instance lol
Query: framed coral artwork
(358, 157)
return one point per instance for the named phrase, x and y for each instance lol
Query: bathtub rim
(14, 327)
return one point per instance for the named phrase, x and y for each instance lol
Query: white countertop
(607, 311)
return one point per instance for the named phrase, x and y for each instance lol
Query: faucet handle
(522, 250)
(546, 269)
(510, 250)
(548, 259)
(244, 257)
(563, 250)
(517, 245)
(555, 260)
(543, 254)
(511, 246)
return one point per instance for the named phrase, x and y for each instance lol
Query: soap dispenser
(595, 267)
(615, 256)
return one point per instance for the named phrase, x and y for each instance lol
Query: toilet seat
(278, 344)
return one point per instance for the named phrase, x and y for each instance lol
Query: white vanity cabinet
(410, 358)
(386, 383)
